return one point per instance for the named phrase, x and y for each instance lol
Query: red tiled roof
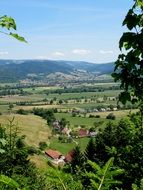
(69, 156)
(83, 132)
(53, 153)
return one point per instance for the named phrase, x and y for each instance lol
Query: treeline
(9, 92)
(81, 89)
(47, 114)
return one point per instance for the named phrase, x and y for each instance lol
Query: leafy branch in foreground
(9, 182)
(58, 180)
(129, 66)
(8, 23)
(103, 178)
(135, 187)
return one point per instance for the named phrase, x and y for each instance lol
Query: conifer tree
(78, 159)
(90, 150)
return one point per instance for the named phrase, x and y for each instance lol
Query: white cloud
(106, 52)
(58, 54)
(41, 57)
(81, 51)
(3, 53)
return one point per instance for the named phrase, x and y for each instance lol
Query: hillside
(14, 70)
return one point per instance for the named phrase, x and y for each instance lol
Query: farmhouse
(55, 156)
(83, 133)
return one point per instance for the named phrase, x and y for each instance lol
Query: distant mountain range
(14, 70)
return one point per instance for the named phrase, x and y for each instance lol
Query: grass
(33, 127)
(4, 108)
(36, 90)
(40, 161)
(40, 106)
(66, 96)
(119, 114)
(64, 148)
(16, 98)
(88, 122)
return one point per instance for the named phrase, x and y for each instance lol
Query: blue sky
(87, 30)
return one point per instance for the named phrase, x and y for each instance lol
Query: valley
(80, 105)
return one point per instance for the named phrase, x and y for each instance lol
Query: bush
(42, 145)
(22, 112)
(97, 116)
(32, 150)
(111, 116)
(91, 116)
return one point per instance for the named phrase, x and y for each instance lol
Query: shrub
(32, 150)
(91, 116)
(111, 116)
(42, 145)
(97, 116)
(22, 112)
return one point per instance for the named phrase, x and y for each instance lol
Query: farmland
(83, 106)
(32, 127)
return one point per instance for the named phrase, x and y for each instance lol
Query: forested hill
(13, 70)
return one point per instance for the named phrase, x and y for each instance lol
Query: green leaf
(9, 181)
(3, 142)
(124, 97)
(139, 3)
(2, 151)
(7, 22)
(20, 38)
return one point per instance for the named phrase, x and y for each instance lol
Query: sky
(81, 30)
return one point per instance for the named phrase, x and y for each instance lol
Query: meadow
(36, 130)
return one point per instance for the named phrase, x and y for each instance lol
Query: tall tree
(90, 150)
(129, 66)
(78, 160)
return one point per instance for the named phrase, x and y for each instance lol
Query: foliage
(59, 180)
(103, 178)
(14, 160)
(90, 150)
(47, 114)
(11, 106)
(111, 116)
(8, 23)
(8, 182)
(42, 145)
(78, 160)
(123, 141)
(140, 187)
(22, 112)
(63, 123)
(129, 66)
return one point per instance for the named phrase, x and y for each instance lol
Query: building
(83, 133)
(55, 156)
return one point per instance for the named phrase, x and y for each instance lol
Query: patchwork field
(84, 104)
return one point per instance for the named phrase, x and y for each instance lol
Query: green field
(17, 98)
(66, 147)
(79, 121)
(66, 96)
(36, 129)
